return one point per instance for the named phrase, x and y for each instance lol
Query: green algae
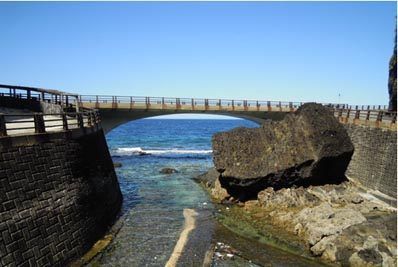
(241, 222)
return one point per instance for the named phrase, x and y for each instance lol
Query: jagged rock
(218, 192)
(366, 257)
(323, 221)
(326, 243)
(208, 178)
(307, 147)
(286, 198)
(168, 171)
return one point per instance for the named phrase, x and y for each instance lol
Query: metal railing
(29, 123)
(88, 117)
(376, 118)
(142, 102)
(139, 102)
(39, 94)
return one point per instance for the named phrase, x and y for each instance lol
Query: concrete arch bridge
(116, 110)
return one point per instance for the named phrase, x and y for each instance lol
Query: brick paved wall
(374, 163)
(57, 198)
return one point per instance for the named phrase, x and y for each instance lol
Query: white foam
(138, 150)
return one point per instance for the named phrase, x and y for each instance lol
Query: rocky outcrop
(339, 223)
(307, 147)
(392, 79)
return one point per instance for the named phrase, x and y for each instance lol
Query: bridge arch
(112, 118)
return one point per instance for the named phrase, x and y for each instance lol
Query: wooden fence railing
(29, 123)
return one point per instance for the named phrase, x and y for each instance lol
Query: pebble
(218, 255)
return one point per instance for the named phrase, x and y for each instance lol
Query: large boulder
(307, 147)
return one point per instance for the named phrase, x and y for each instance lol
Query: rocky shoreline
(290, 175)
(338, 224)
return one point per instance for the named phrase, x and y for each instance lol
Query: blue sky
(293, 51)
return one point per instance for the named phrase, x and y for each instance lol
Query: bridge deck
(16, 124)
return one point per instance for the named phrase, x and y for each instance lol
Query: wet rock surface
(307, 147)
(338, 223)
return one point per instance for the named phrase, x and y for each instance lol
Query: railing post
(379, 116)
(258, 106)
(178, 105)
(163, 105)
(357, 114)
(233, 105)
(115, 102)
(97, 118)
(147, 102)
(340, 113)
(193, 103)
(79, 103)
(96, 102)
(269, 105)
(28, 94)
(39, 123)
(3, 128)
(89, 119)
(80, 121)
(64, 122)
(219, 104)
(393, 120)
(206, 104)
(280, 106)
(131, 102)
(291, 106)
(368, 115)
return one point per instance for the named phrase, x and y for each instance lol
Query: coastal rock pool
(154, 202)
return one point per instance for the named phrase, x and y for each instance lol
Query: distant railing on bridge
(138, 102)
(28, 123)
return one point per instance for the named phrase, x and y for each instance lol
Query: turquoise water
(154, 202)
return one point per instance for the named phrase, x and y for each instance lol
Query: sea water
(154, 202)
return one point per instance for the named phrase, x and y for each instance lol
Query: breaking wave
(132, 151)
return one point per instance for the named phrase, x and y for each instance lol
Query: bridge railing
(377, 118)
(38, 94)
(29, 123)
(134, 102)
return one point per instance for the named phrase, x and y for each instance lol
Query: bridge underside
(112, 118)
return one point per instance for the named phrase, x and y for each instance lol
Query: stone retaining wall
(58, 197)
(374, 163)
